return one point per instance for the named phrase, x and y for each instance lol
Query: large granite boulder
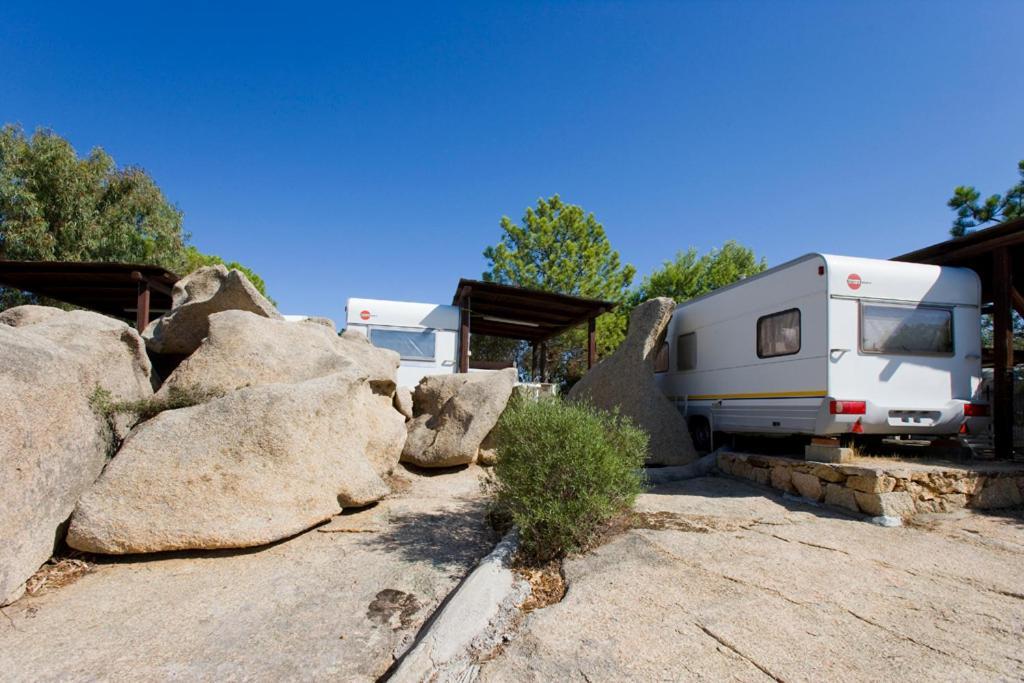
(385, 431)
(28, 314)
(434, 391)
(246, 349)
(453, 414)
(197, 296)
(53, 443)
(255, 466)
(625, 380)
(403, 401)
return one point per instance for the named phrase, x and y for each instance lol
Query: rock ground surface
(318, 606)
(738, 583)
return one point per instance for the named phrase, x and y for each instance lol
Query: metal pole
(591, 342)
(1002, 347)
(463, 335)
(142, 307)
(533, 367)
(543, 361)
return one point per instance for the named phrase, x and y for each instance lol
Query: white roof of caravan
(882, 279)
(401, 314)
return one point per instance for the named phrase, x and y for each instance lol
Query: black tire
(700, 432)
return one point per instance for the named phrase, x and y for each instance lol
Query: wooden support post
(533, 366)
(464, 313)
(1018, 301)
(543, 361)
(591, 342)
(142, 307)
(1002, 347)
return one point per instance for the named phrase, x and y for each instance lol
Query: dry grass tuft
(57, 573)
(547, 585)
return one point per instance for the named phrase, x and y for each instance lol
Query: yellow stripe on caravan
(813, 393)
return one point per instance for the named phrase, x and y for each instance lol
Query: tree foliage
(56, 206)
(559, 247)
(690, 275)
(972, 213)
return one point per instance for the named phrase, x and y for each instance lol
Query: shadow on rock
(453, 538)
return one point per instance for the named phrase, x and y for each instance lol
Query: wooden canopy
(996, 254)
(496, 310)
(128, 291)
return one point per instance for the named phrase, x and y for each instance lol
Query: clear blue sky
(370, 151)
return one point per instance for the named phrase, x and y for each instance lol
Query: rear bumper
(943, 419)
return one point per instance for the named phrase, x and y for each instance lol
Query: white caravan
(828, 345)
(424, 335)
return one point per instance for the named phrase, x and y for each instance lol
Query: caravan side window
(410, 344)
(686, 351)
(661, 360)
(778, 334)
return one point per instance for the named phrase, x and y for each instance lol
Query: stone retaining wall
(890, 489)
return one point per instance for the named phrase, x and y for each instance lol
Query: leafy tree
(690, 275)
(559, 248)
(970, 213)
(56, 206)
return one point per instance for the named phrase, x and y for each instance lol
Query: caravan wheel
(700, 432)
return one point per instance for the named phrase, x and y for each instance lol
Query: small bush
(103, 402)
(564, 471)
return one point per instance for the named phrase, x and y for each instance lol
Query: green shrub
(103, 403)
(564, 471)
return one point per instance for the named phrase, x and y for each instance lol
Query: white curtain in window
(779, 334)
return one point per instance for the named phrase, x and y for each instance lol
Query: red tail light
(975, 410)
(849, 407)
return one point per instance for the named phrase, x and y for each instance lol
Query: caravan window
(661, 360)
(778, 334)
(410, 344)
(888, 328)
(686, 351)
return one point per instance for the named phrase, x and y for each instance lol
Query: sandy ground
(317, 606)
(735, 582)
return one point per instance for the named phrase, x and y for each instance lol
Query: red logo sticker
(365, 315)
(853, 281)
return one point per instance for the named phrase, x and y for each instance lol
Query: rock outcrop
(403, 401)
(453, 414)
(245, 349)
(197, 296)
(29, 314)
(625, 380)
(255, 466)
(53, 443)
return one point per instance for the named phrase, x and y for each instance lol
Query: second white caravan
(829, 345)
(424, 335)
